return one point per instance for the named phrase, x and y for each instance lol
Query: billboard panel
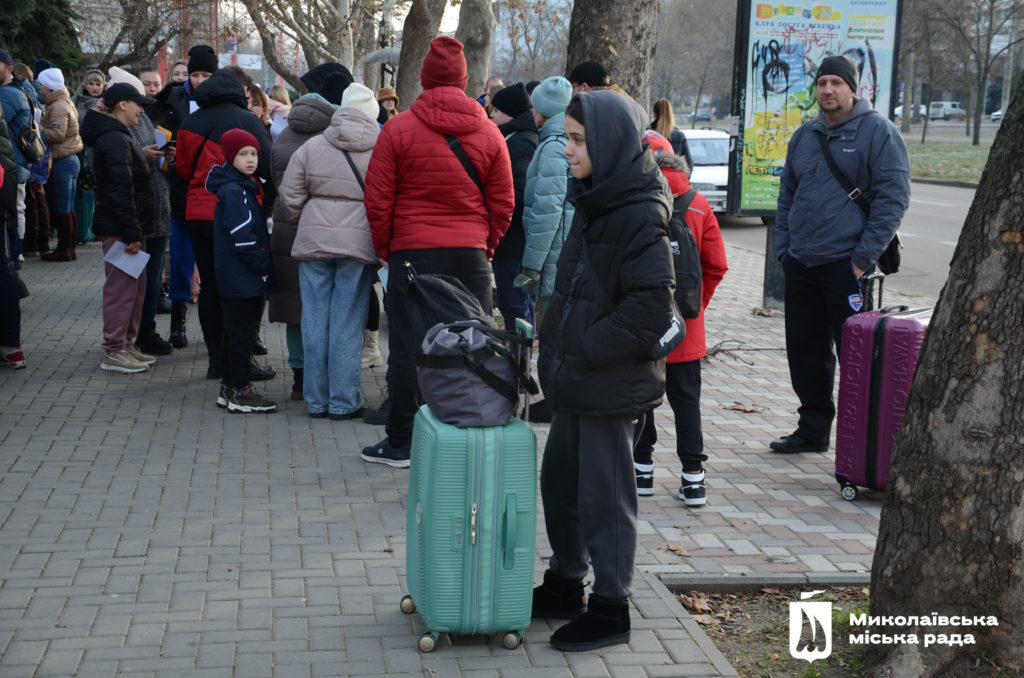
(779, 50)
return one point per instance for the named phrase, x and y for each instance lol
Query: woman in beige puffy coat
(60, 126)
(322, 192)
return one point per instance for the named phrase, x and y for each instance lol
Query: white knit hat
(51, 78)
(362, 99)
(118, 75)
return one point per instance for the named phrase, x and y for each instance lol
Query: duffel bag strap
(474, 362)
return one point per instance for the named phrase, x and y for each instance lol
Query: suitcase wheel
(428, 642)
(849, 492)
(512, 639)
(407, 605)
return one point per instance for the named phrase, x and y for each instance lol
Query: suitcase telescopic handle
(894, 309)
(511, 530)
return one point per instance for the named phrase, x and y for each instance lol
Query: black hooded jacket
(521, 136)
(592, 362)
(222, 106)
(124, 192)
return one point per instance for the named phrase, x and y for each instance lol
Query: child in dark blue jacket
(243, 265)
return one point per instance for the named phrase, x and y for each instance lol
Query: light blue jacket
(547, 215)
(816, 223)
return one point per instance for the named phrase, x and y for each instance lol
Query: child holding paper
(124, 217)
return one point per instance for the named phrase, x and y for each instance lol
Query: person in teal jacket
(547, 215)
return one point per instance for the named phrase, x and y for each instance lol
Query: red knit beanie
(232, 141)
(444, 65)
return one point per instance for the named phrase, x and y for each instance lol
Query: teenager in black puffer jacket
(594, 367)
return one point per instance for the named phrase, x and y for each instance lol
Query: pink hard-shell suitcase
(880, 350)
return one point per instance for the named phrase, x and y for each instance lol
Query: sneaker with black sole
(644, 479)
(386, 453)
(379, 415)
(795, 444)
(343, 416)
(692, 489)
(247, 401)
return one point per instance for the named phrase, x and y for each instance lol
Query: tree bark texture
(419, 29)
(476, 26)
(622, 36)
(951, 539)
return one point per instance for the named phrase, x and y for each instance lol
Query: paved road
(930, 232)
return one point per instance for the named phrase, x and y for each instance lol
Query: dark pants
(37, 215)
(241, 320)
(210, 315)
(682, 389)
(10, 301)
(511, 301)
(590, 508)
(819, 299)
(373, 313)
(154, 271)
(470, 267)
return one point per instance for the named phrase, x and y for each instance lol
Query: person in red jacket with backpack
(424, 209)
(682, 374)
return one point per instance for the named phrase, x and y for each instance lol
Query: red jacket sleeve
(712, 249)
(379, 195)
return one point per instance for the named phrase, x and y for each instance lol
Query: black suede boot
(179, 313)
(150, 341)
(297, 384)
(557, 598)
(605, 623)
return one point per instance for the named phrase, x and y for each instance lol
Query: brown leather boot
(65, 239)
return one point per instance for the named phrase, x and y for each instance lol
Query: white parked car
(897, 113)
(996, 116)
(709, 149)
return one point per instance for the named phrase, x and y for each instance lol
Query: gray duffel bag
(468, 376)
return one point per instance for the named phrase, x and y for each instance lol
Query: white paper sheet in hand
(132, 264)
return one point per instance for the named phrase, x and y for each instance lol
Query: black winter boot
(605, 623)
(259, 348)
(557, 598)
(259, 372)
(215, 369)
(297, 384)
(179, 313)
(149, 341)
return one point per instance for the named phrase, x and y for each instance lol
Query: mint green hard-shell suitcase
(472, 528)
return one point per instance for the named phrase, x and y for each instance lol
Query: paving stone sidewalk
(144, 532)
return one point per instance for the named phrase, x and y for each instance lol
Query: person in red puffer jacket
(682, 374)
(424, 209)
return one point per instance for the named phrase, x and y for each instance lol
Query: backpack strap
(682, 203)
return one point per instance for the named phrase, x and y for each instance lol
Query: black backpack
(685, 258)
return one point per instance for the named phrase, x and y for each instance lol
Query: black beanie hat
(335, 85)
(512, 100)
(532, 85)
(841, 66)
(589, 73)
(202, 58)
(315, 78)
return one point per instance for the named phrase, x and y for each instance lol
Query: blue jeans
(335, 300)
(183, 260)
(154, 270)
(64, 177)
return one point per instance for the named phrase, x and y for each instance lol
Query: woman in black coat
(594, 366)
(124, 217)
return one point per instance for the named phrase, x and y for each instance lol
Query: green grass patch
(947, 153)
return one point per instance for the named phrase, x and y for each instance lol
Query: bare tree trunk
(419, 29)
(621, 35)
(476, 26)
(951, 539)
(909, 100)
(367, 42)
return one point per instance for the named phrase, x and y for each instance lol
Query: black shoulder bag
(467, 164)
(889, 261)
(668, 342)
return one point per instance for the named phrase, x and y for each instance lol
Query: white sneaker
(120, 361)
(138, 356)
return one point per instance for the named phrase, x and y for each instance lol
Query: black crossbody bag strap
(467, 164)
(352, 164)
(852, 192)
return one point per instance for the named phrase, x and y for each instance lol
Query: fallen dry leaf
(770, 589)
(773, 656)
(677, 549)
(705, 620)
(740, 407)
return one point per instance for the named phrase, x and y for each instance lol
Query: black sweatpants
(241, 319)
(210, 314)
(818, 299)
(682, 390)
(470, 267)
